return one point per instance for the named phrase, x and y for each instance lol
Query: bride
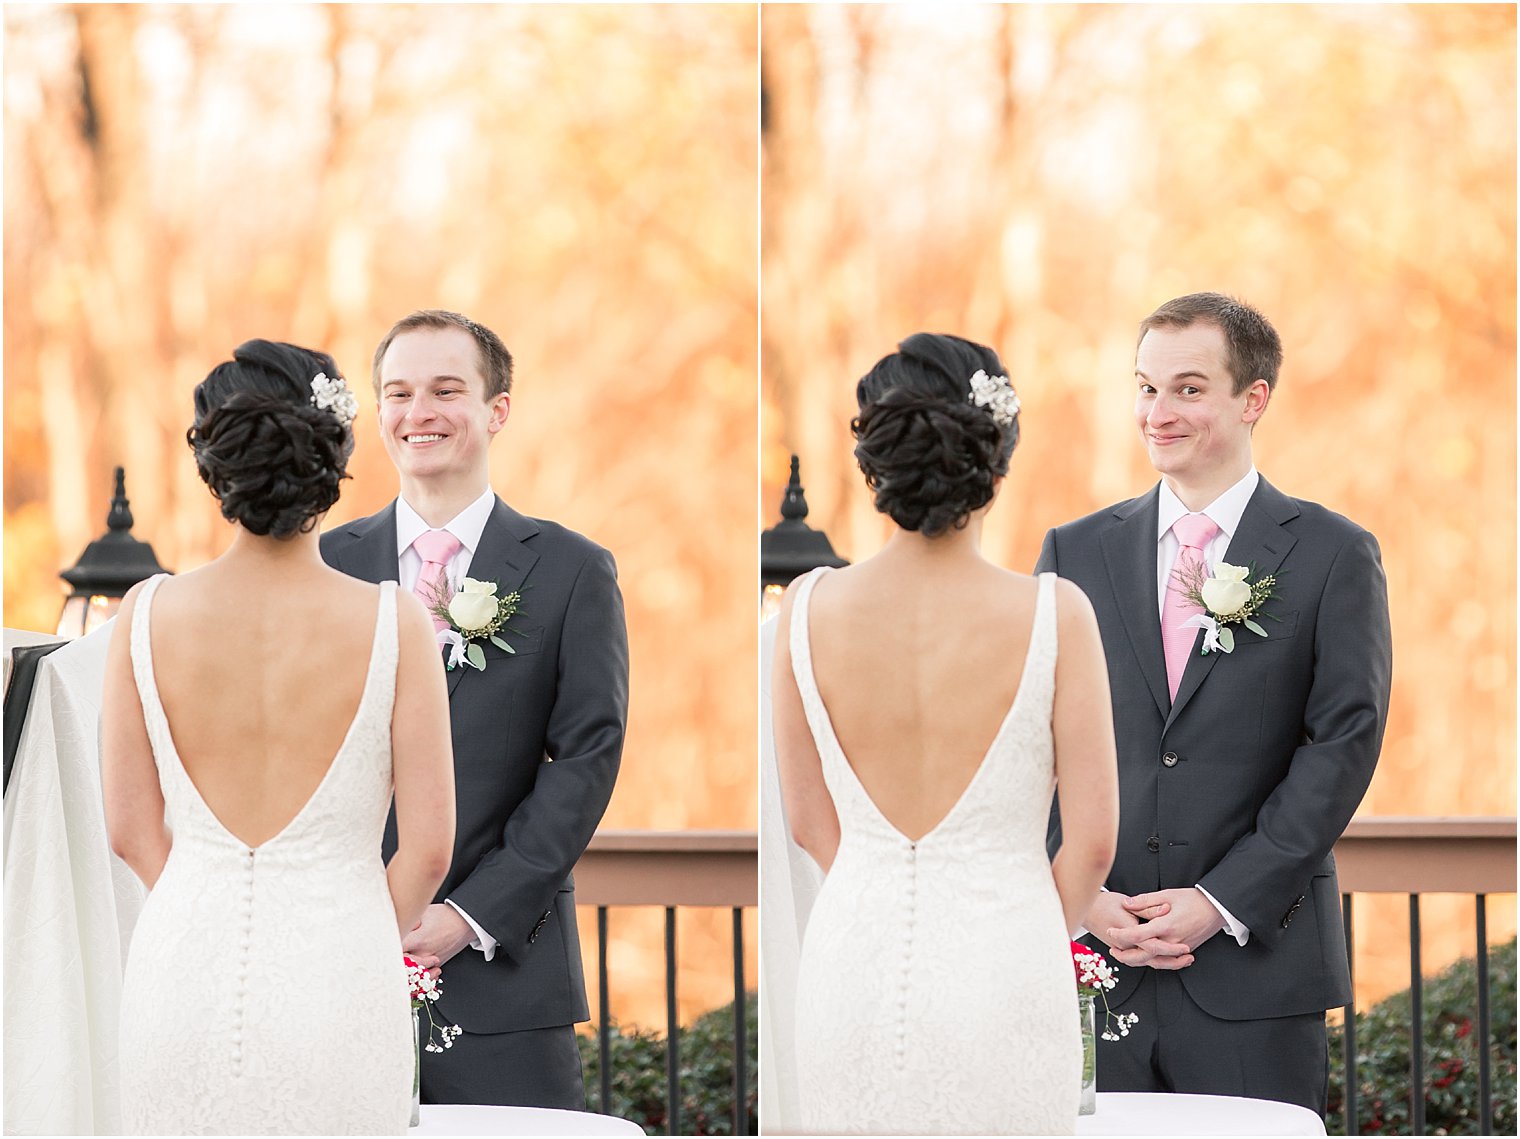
(258, 714)
(923, 716)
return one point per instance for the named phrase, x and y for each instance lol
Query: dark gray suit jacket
(1246, 781)
(538, 737)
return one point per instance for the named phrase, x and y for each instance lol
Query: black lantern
(791, 547)
(109, 566)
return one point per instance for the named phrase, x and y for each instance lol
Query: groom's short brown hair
(495, 360)
(1253, 350)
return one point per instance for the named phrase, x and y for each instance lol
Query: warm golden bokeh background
(582, 179)
(1041, 177)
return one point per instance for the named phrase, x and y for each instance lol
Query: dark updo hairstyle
(271, 456)
(929, 453)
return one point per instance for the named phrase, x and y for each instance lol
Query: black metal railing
(670, 870)
(1417, 856)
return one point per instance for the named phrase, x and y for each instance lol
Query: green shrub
(637, 1060)
(1450, 1031)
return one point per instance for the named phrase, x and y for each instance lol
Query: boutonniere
(1228, 598)
(474, 613)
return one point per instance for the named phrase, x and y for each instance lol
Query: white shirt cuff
(1239, 932)
(484, 941)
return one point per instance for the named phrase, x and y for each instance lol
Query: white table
(474, 1119)
(70, 906)
(1147, 1113)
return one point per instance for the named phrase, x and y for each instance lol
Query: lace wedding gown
(935, 992)
(264, 989)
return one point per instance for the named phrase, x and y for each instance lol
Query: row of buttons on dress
(245, 948)
(902, 992)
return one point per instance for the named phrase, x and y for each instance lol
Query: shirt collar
(467, 525)
(1224, 511)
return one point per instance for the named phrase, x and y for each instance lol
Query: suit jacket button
(1153, 844)
(1169, 759)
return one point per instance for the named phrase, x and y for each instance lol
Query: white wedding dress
(264, 990)
(935, 991)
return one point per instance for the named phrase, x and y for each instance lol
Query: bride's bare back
(918, 671)
(260, 675)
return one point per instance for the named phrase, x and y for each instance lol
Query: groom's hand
(1115, 920)
(438, 936)
(1189, 921)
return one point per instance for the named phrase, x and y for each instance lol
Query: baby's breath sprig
(425, 990)
(1095, 977)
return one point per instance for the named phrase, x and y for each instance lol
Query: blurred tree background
(1041, 177)
(582, 179)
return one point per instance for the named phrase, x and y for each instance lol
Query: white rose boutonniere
(1227, 598)
(473, 605)
(475, 613)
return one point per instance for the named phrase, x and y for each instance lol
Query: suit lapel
(371, 556)
(1261, 542)
(1129, 553)
(503, 558)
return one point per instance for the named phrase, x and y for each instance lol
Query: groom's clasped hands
(1160, 929)
(440, 935)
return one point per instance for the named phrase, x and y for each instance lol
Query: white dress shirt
(467, 526)
(1224, 512)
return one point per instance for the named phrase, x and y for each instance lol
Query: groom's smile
(434, 418)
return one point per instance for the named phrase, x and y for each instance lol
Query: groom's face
(434, 416)
(1186, 408)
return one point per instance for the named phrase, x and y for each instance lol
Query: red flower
(1076, 948)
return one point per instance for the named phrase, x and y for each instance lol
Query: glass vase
(1089, 1101)
(417, 1067)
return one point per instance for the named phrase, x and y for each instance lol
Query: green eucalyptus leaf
(501, 644)
(1227, 639)
(476, 656)
(1255, 628)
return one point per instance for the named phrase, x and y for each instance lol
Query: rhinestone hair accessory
(996, 394)
(335, 396)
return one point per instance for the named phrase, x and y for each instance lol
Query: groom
(538, 733)
(1238, 771)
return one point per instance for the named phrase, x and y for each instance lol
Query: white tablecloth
(23, 638)
(789, 882)
(470, 1119)
(1138, 1113)
(70, 906)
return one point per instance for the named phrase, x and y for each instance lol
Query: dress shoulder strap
(385, 656)
(141, 646)
(799, 642)
(1045, 606)
(1040, 673)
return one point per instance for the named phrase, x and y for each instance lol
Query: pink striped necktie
(1193, 531)
(436, 548)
